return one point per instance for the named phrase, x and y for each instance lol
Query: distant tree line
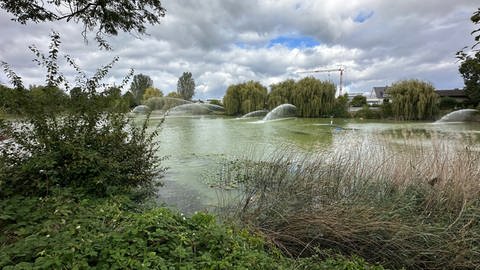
(52, 99)
(312, 97)
(408, 99)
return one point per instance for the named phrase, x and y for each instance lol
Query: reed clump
(401, 206)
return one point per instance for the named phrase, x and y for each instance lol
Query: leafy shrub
(358, 101)
(67, 231)
(92, 147)
(368, 113)
(447, 103)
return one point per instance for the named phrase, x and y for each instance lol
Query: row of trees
(142, 88)
(312, 97)
(53, 99)
(408, 99)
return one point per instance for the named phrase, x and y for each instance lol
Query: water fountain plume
(141, 109)
(282, 111)
(465, 115)
(196, 109)
(259, 113)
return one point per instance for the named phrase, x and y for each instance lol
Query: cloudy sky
(223, 42)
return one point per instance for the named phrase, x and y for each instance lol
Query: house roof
(458, 93)
(380, 91)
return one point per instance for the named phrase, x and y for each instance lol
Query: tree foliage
(340, 109)
(186, 86)
(470, 64)
(358, 101)
(314, 98)
(413, 100)
(138, 86)
(106, 17)
(470, 70)
(152, 92)
(281, 93)
(174, 95)
(244, 98)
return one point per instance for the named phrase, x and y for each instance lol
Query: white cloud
(226, 42)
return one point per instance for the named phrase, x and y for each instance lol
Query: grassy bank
(406, 205)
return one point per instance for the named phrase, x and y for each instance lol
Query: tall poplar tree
(186, 86)
(138, 86)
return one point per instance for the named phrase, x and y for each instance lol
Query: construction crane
(341, 69)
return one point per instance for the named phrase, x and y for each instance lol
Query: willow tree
(244, 98)
(413, 100)
(280, 93)
(313, 97)
(231, 100)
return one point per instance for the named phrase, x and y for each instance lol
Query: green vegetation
(470, 65)
(281, 93)
(151, 92)
(369, 113)
(186, 86)
(244, 98)
(413, 100)
(92, 147)
(314, 98)
(216, 102)
(138, 86)
(68, 231)
(448, 103)
(70, 185)
(403, 206)
(358, 101)
(105, 17)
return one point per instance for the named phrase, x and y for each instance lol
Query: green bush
(447, 103)
(358, 101)
(68, 231)
(92, 147)
(71, 231)
(368, 113)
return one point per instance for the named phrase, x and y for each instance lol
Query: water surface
(196, 146)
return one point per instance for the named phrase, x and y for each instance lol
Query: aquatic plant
(407, 206)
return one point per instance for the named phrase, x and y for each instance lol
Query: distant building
(377, 95)
(379, 92)
(457, 94)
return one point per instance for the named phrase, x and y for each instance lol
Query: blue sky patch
(363, 15)
(294, 42)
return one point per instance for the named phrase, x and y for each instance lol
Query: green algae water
(196, 146)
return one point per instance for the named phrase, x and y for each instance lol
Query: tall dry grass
(402, 205)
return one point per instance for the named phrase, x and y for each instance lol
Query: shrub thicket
(92, 146)
(70, 231)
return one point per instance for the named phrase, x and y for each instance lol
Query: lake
(197, 146)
